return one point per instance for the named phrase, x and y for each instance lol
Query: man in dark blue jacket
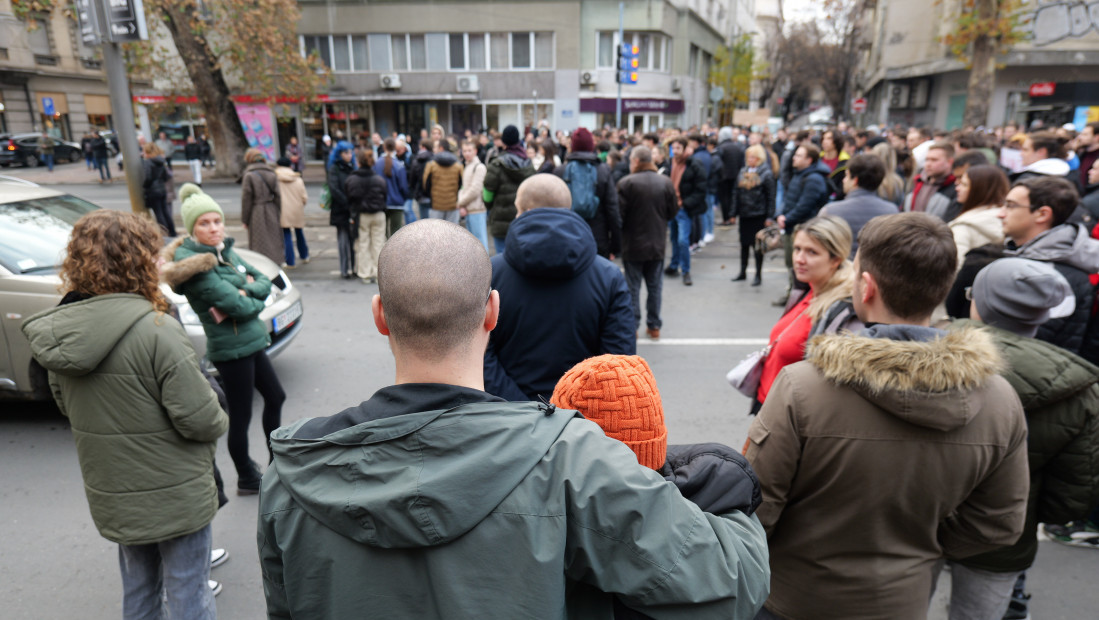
(560, 302)
(807, 193)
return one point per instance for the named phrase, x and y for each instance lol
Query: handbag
(745, 376)
(768, 239)
(326, 197)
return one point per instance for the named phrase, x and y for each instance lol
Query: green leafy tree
(983, 31)
(733, 69)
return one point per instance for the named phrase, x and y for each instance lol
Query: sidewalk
(78, 174)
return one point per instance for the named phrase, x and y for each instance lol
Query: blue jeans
(708, 219)
(477, 223)
(498, 242)
(303, 248)
(780, 191)
(453, 215)
(409, 212)
(104, 168)
(88, 159)
(48, 158)
(681, 241)
(425, 206)
(168, 579)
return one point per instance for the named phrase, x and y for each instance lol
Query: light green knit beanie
(194, 203)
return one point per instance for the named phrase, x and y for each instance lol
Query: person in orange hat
(619, 393)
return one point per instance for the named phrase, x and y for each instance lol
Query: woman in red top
(821, 248)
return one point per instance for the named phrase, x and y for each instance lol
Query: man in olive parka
(434, 499)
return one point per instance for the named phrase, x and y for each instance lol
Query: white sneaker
(218, 557)
(215, 586)
(708, 237)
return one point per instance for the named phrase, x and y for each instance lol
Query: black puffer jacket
(754, 193)
(365, 192)
(731, 154)
(340, 212)
(692, 186)
(156, 177)
(606, 226)
(416, 175)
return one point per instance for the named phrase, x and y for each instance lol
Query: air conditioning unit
(468, 84)
(676, 85)
(587, 78)
(898, 96)
(391, 80)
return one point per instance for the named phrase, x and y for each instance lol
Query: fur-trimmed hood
(174, 273)
(929, 383)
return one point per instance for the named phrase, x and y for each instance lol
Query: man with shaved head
(435, 499)
(560, 301)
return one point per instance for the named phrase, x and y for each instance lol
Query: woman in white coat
(981, 192)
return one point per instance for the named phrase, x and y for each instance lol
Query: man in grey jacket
(435, 499)
(862, 204)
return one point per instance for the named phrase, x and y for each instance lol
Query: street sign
(126, 21)
(717, 93)
(47, 106)
(89, 22)
(859, 105)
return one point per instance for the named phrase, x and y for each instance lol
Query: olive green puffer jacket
(1060, 397)
(144, 419)
(212, 278)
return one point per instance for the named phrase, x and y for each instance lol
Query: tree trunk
(982, 76)
(223, 128)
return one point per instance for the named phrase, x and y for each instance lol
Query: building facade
(910, 77)
(49, 80)
(478, 65)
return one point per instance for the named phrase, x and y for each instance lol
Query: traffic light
(628, 64)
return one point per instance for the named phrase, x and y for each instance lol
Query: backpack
(581, 178)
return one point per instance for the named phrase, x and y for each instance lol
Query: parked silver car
(35, 224)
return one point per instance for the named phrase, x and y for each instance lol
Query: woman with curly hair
(143, 416)
(228, 295)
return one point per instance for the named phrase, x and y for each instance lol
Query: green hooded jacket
(1060, 395)
(209, 277)
(144, 419)
(490, 510)
(503, 176)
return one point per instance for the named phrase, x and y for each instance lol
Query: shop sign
(607, 105)
(1042, 89)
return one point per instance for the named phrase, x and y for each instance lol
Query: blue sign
(566, 113)
(47, 106)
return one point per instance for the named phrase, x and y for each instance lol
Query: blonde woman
(892, 185)
(821, 248)
(753, 204)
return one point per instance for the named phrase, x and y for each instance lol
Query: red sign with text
(1042, 89)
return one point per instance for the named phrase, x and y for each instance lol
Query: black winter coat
(647, 202)
(692, 186)
(366, 192)
(340, 212)
(156, 177)
(606, 226)
(731, 154)
(560, 303)
(416, 175)
(754, 193)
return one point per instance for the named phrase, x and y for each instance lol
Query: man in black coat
(648, 202)
(606, 223)
(560, 302)
(689, 179)
(731, 154)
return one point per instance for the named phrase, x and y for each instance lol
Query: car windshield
(34, 233)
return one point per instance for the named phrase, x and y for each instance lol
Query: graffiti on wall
(1060, 20)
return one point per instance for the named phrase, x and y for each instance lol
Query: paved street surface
(53, 563)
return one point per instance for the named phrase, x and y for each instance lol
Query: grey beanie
(1017, 294)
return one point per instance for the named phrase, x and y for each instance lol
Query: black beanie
(510, 135)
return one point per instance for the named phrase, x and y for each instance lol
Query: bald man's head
(434, 279)
(543, 190)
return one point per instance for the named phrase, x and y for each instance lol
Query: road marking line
(702, 342)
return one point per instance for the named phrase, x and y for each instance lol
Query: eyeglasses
(1010, 204)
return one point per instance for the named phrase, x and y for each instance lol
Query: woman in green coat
(144, 420)
(228, 295)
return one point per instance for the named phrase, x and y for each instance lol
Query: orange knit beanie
(618, 392)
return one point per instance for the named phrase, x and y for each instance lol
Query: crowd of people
(927, 397)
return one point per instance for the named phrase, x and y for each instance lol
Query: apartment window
(498, 50)
(39, 39)
(644, 53)
(400, 52)
(520, 50)
(379, 47)
(359, 55)
(319, 44)
(477, 56)
(417, 52)
(605, 52)
(457, 51)
(543, 50)
(692, 61)
(437, 43)
(341, 53)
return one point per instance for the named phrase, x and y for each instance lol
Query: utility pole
(618, 70)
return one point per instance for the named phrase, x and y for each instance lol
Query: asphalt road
(54, 564)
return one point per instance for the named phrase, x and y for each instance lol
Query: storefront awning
(97, 105)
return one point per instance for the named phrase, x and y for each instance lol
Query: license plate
(287, 318)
